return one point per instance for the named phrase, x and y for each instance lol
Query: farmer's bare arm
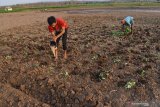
(62, 32)
(53, 36)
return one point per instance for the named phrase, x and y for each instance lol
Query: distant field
(86, 5)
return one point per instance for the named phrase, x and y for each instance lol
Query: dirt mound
(30, 77)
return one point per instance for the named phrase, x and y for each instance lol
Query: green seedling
(146, 59)
(117, 33)
(95, 57)
(143, 73)
(8, 57)
(113, 26)
(103, 75)
(130, 84)
(65, 74)
(25, 53)
(127, 30)
(117, 61)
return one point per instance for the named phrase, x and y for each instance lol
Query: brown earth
(30, 77)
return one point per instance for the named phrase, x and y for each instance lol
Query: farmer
(128, 21)
(58, 29)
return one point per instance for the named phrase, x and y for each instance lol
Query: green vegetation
(86, 5)
(64, 74)
(95, 57)
(14, 10)
(117, 33)
(134, 4)
(103, 75)
(121, 33)
(8, 57)
(142, 73)
(130, 84)
(116, 60)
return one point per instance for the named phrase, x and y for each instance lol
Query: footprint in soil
(95, 76)
(43, 63)
(121, 83)
(158, 48)
(142, 81)
(121, 66)
(147, 32)
(75, 71)
(1, 90)
(40, 48)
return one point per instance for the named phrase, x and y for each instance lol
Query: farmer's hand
(55, 38)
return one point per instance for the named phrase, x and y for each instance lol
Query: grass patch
(130, 84)
(87, 5)
(126, 31)
(117, 33)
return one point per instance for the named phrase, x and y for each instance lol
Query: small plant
(65, 74)
(113, 26)
(117, 61)
(117, 33)
(126, 31)
(145, 59)
(25, 54)
(142, 73)
(8, 57)
(130, 84)
(95, 57)
(103, 75)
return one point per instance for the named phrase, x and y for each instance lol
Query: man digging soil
(58, 29)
